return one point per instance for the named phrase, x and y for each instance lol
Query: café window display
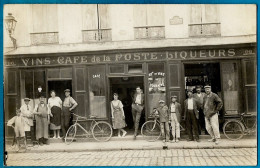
(156, 85)
(97, 91)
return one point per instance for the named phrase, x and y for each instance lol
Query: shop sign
(130, 57)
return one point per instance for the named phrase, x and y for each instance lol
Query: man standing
(27, 113)
(164, 120)
(42, 117)
(191, 115)
(68, 105)
(175, 118)
(199, 97)
(211, 106)
(137, 108)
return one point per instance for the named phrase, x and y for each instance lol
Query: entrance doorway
(59, 87)
(125, 87)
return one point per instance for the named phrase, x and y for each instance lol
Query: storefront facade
(160, 72)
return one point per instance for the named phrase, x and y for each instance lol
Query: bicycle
(100, 130)
(235, 129)
(151, 129)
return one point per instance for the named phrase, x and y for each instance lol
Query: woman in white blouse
(55, 104)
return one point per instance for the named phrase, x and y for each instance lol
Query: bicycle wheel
(102, 131)
(233, 130)
(70, 135)
(151, 131)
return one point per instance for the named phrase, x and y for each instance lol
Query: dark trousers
(201, 121)
(30, 134)
(136, 112)
(65, 120)
(192, 125)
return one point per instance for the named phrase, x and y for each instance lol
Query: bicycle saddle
(92, 117)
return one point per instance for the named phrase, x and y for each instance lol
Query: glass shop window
(135, 68)
(156, 85)
(97, 91)
(116, 68)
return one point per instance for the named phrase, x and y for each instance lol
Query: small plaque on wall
(176, 20)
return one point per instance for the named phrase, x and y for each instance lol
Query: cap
(26, 99)
(207, 86)
(174, 96)
(161, 101)
(66, 90)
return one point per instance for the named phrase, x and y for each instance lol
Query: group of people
(197, 107)
(54, 113)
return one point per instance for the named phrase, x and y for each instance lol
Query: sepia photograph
(130, 84)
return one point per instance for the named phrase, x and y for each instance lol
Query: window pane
(54, 73)
(250, 72)
(39, 80)
(66, 72)
(97, 91)
(251, 99)
(136, 68)
(230, 87)
(174, 75)
(11, 82)
(117, 69)
(156, 84)
(28, 79)
(80, 79)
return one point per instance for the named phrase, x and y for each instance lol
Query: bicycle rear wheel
(70, 135)
(233, 130)
(151, 131)
(102, 131)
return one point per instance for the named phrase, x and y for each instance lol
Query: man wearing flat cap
(191, 115)
(212, 104)
(68, 105)
(199, 97)
(164, 120)
(175, 118)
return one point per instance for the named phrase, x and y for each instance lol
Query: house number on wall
(96, 76)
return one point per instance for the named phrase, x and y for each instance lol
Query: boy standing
(175, 118)
(164, 120)
(41, 112)
(17, 122)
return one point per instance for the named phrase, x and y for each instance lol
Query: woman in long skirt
(55, 104)
(118, 116)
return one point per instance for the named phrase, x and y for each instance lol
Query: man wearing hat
(27, 113)
(68, 105)
(191, 115)
(175, 118)
(199, 97)
(212, 104)
(164, 120)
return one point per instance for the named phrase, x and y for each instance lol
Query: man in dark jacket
(175, 118)
(211, 106)
(191, 115)
(137, 108)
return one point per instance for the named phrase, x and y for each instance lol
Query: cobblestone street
(172, 157)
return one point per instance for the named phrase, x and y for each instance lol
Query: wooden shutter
(210, 14)
(104, 16)
(90, 18)
(196, 14)
(80, 89)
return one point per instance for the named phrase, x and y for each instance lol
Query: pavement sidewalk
(138, 145)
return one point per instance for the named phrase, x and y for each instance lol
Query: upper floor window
(44, 24)
(96, 23)
(204, 20)
(149, 21)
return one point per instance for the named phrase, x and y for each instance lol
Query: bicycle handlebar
(80, 116)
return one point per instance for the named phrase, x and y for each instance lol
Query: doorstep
(127, 143)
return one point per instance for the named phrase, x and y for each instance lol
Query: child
(175, 118)
(17, 122)
(164, 120)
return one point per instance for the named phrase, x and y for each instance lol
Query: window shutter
(38, 18)
(51, 18)
(196, 14)
(211, 14)
(104, 16)
(155, 15)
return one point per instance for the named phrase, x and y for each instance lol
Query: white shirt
(26, 110)
(138, 99)
(190, 104)
(199, 94)
(173, 107)
(56, 101)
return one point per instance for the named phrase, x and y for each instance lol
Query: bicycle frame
(247, 129)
